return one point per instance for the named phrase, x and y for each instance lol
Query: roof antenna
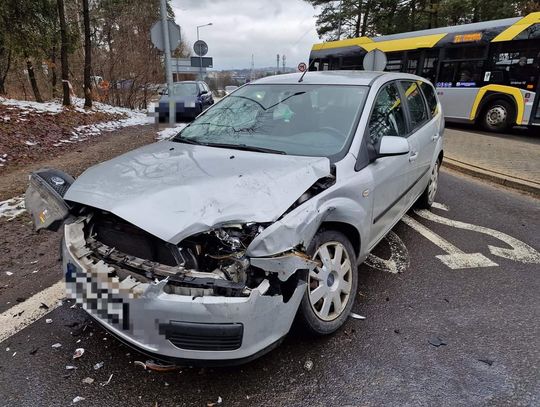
(310, 64)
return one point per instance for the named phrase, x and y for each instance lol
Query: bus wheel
(497, 116)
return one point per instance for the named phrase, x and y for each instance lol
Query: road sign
(200, 47)
(156, 35)
(206, 62)
(375, 60)
(302, 66)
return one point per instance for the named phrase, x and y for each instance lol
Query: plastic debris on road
(78, 353)
(56, 346)
(48, 321)
(139, 363)
(88, 380)
(160, 367)
(308, 365)
(356, 316)
(77, 399)
(436, 341)
(214, 403)
(98, 365)
(107, 382)
(71, 367)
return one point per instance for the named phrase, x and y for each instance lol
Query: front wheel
(497, 116)
(331, 287)
(428, 196)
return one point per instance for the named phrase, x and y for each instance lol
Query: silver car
(205, 247)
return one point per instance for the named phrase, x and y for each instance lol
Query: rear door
(424, 133)
(390, 174)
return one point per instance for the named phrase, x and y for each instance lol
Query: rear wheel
(331, 288)
(498, 116)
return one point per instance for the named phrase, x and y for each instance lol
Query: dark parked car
(190, 98)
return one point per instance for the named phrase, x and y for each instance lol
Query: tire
(318, 318)
(428, 196)
(498, 116)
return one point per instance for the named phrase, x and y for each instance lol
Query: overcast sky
(240, 28)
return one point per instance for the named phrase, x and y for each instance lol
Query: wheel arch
(490, 93)
(350, 231)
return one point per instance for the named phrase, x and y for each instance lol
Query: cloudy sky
(240, 28)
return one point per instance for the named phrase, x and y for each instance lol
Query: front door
(390, 174)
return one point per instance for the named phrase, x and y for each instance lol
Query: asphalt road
(488, 318)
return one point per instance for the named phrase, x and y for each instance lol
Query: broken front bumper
(212, 329)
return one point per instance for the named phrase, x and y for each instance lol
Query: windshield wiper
(179, 139)
(245, 147)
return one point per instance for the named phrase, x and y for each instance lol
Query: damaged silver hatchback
(205, 247)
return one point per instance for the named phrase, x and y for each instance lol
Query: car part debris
(88, 380)
(215, 403)
(98, 365)
(356, 316)
(107, 382)
(77, 399)
(48, 321)
(71, 367)
(56, 346)
(436, 341)
(9, 273)
(78, 353)
(160, 367)
(308, 365)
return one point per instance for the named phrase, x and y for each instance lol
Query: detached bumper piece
(200, 336)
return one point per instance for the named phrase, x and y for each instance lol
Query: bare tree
(66, 101)
(87, 56)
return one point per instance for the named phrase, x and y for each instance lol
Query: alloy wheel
(330, 284)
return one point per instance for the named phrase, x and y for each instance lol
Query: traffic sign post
(302, 66)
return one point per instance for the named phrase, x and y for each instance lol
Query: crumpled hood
(174, 190)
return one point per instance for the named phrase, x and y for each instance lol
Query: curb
(497, 178)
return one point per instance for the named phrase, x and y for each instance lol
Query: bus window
(395, 62)
(412, 62)
(470, 73)
(446, 74)
(519, 61)
(429, 69)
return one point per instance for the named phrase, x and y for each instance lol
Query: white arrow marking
(456, 258)
(399, 256)
(520, 251)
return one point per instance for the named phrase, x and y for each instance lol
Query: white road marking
(441, 206)
(519, 251)
(21, 315)
(399, 256)
(456, 258)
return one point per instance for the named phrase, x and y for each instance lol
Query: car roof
(335, 77)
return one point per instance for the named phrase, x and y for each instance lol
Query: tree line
(100, 49)
(355, 18)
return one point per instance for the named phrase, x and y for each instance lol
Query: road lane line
(21, 315)
(519, 251)
(456, 258)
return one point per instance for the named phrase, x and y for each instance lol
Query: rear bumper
(211, 330)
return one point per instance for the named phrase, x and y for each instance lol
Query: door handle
(413, 156)
(435, 137)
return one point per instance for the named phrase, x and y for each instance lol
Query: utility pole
(252, 67)
(283, 58)
(167, 53)
(277, 66)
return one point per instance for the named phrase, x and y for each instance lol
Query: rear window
(431, 99)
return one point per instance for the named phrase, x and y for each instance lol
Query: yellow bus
(485, 73)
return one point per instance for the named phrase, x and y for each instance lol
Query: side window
(387, 118)
(415, 102)
(431, 99)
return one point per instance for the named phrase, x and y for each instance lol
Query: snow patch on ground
(12, 207)
(170, 132)
(56, 107)
(134, 119)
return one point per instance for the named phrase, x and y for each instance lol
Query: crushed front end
(202, 300)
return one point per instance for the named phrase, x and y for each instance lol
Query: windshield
(185, 89)
(309, 120)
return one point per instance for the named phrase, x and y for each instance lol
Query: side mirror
(392, 145)
(204, 92)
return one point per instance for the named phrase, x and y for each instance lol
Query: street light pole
(200, 56)
(167, 57)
